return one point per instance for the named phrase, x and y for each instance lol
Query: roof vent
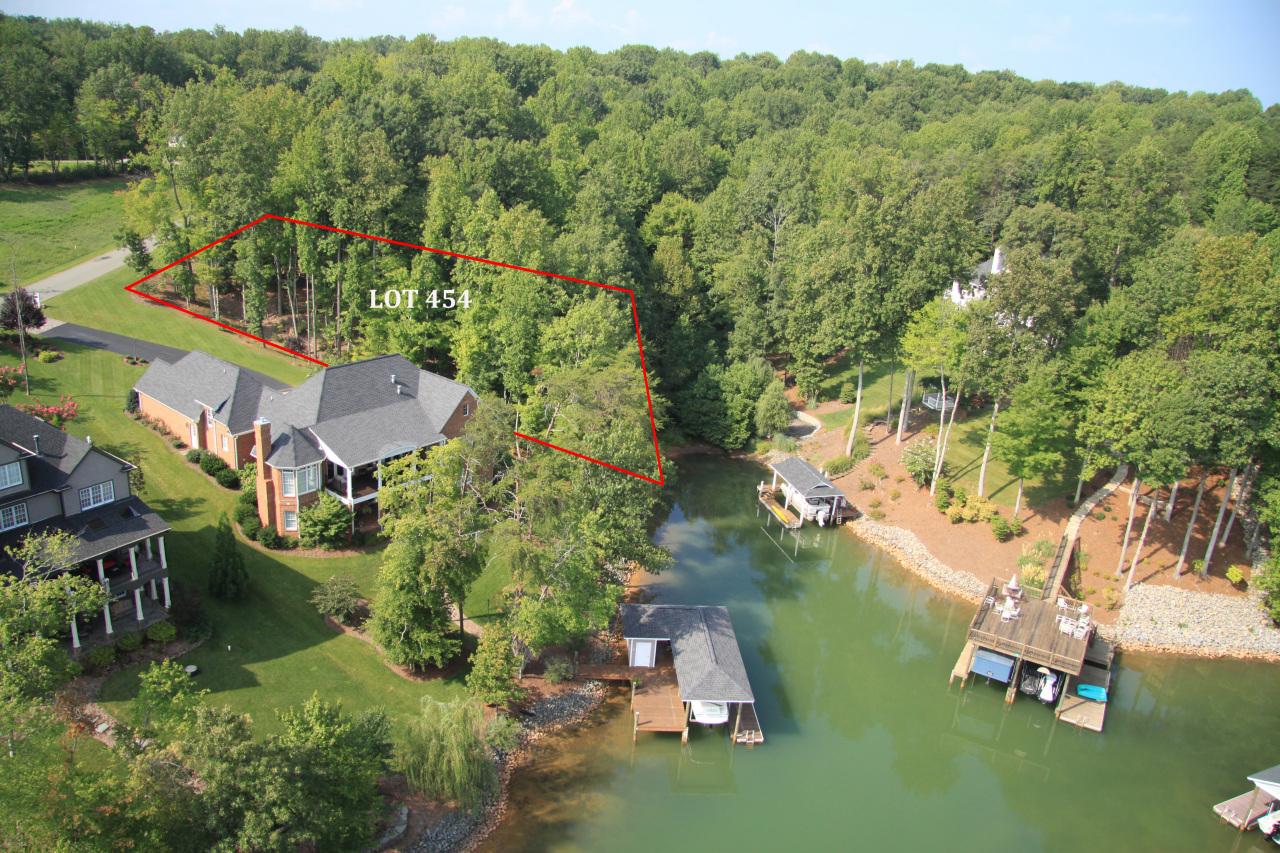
(393, 379)
(399, 390)
(88, 439)
(36, 439)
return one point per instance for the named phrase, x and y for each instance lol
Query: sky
(1174, 45)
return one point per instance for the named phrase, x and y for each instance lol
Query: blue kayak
(1092, 691)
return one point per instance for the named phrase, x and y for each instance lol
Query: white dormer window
(103, 493)
(11, 475)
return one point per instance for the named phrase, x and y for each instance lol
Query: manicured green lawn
(280, 650)
(105, 304)
(875, 388)
(964, 461)
(53, 228)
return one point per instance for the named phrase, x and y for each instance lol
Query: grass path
(54, 228)
(105, 304)
(280, 650)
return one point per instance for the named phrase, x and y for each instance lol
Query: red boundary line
(634, 314)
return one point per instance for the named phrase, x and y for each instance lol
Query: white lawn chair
(1067, 626)
(1082, 628)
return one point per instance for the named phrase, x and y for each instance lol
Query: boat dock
(1244, 811)
(805, 489)
(779, 511)
(656, 705)
(746, 728)
(1012, 631)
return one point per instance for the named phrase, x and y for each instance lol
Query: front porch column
(379, 475)
(147, 543)
(351, 473)
(137, 603)
(102, 575)
(164, 564)
(154, 595)
(164, 582)
(106, 617)
(133, 561)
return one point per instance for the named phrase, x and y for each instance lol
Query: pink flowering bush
(58, 415)
(9, 378)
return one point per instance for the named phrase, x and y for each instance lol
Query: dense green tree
(228, 576)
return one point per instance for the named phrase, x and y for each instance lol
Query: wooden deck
(1085, 713)
(965, 664)
(1100, 652)
(610, 672)
(779, 511)
(744, 727)
(656, 705)
(1243, 811)
(1032, 636)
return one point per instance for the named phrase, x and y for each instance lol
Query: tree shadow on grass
(177, 509)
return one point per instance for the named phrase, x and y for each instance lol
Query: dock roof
(708, 662)
(1268, 780)
(804, 478)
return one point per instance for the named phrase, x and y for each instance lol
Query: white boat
(710, 713)
(1269, 824)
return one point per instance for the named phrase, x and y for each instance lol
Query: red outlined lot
(631, 295)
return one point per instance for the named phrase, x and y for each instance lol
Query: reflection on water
(867, 746)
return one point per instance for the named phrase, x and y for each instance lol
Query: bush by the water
(443, 752)
(494, 676)
(784, 442)
(838, 465)
(557, 669)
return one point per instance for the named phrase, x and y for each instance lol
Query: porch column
(164, 582)
(102, 575)
(351, 503)
(106, 616)
(775, 481)
(133, 561)
(137, 603)
(147, 543)
(164, 564)
(154, 595)
(379, 475)
(106, 608)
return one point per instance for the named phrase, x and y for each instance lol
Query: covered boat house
(688, 665)
(805, 489)
(1244, 811)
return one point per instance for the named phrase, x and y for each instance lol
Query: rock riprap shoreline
(915, 557)
(1183, 621)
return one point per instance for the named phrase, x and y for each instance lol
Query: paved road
(61, 282)
(121, 345)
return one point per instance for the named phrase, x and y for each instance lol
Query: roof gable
(198, 380)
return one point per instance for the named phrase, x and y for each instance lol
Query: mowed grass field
(105, 304)
(55, 227)
(875, 388)
(270, 651)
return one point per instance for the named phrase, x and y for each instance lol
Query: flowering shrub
(9, 377)
(64, 411)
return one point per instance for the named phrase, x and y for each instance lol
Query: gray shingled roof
(197, 380)
(709, 664)
(98, 531)
(60, 452)
(805, 478)
(354, 409)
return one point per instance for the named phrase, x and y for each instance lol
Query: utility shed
(704, 648)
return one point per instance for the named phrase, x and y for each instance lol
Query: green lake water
(867, 746)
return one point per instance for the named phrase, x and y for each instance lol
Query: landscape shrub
(269, 537)
(131, 401)
(838, 465)
(130, 642)
(784, 442)
(1015, 526)
(228, 479)
(1000, 528)
(930, 429)
(848, 392)
(211, 464)
(942, 500)
(866, 485)
(1236, 575)
(502, 733)
(875, 503)
(1267, 580)
(251, 527)
(877, 470)
(324, 524)
(443, 753)
(960, 495)
(193, 455)
(102, 656)
(1034, 576)
(861, 448)
(338, 597)
(177, 443)
(894, 494)
(1101, 516)
(955, 513)
(49, 357)
(249, 480)
(1110, 598)
(243, 512)
(162, 633)
(876, 513)
(557, 669)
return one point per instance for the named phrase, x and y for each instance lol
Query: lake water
(867, 747)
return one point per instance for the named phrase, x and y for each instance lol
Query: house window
(11, 475)
(226, 445)
(13, 516)
(466, 409)
(103, 493)
(299, 481)
(290, 520)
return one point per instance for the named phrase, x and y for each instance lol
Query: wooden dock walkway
(1243, 811)
(610, 672)
(745, 727)
(779, 511)
(656, 705)
(1079, 711)
(1058, 570)
(965, 664)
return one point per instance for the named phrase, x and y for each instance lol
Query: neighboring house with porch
(961, 295)
(50, 480)
(331, 433)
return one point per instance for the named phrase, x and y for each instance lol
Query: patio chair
(1067, 626)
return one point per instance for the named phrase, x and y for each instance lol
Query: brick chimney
(266, 493)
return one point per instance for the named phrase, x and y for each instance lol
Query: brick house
(50, 480)
(331, 433)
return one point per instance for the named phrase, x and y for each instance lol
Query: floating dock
(1244, 811)
(746, 728)
(1088, 714)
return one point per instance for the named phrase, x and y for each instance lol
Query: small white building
(961, 295)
